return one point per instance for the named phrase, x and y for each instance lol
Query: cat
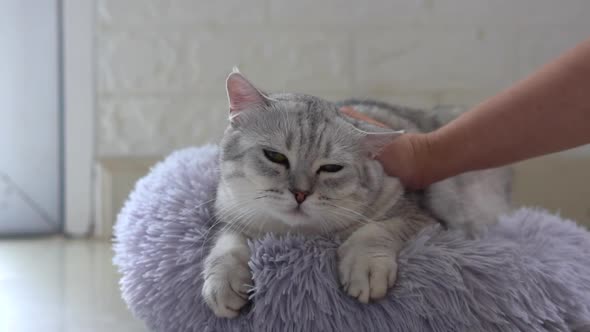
(293, 163)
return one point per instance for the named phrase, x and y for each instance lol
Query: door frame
(78, 101)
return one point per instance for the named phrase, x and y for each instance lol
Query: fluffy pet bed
(531, 272)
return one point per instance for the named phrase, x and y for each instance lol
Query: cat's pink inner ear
(241, 93)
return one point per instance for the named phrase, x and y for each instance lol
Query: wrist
(425, 165)
(441, 158)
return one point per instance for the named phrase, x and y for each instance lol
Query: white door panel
(30, 183)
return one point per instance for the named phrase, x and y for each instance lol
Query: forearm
(545, 113)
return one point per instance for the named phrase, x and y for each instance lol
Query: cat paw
(366, 274)
(226, 287)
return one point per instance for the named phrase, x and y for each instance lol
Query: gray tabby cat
(292, 163)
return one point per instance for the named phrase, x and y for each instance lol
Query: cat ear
(375, 142)
(375, 138)
(242, 94)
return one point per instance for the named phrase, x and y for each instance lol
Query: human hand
(406, 157)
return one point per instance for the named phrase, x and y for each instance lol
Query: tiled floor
(53, 284)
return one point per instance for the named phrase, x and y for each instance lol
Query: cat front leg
(227, 275)
(368, 262)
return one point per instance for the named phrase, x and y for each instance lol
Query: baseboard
(115, 179)
(559, 184)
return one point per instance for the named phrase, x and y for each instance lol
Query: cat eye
(276, 157)
(330, 168)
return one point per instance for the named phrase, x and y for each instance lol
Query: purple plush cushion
(530, 272)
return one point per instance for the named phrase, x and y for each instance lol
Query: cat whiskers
(222, 215)
(348, 218)
(351, 213)
(240, 221)
(233, 226)
(208, 232)
(244, 220)
(339, 220)
(324, 226)
(348, 200)
(204, 203)
(235, 215)
(211, 211)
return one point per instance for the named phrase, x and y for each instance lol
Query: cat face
(294, 162)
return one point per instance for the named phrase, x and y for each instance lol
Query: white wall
(161, 64)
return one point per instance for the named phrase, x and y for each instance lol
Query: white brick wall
(161, 64)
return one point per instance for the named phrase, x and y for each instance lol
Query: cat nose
(300, 195)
